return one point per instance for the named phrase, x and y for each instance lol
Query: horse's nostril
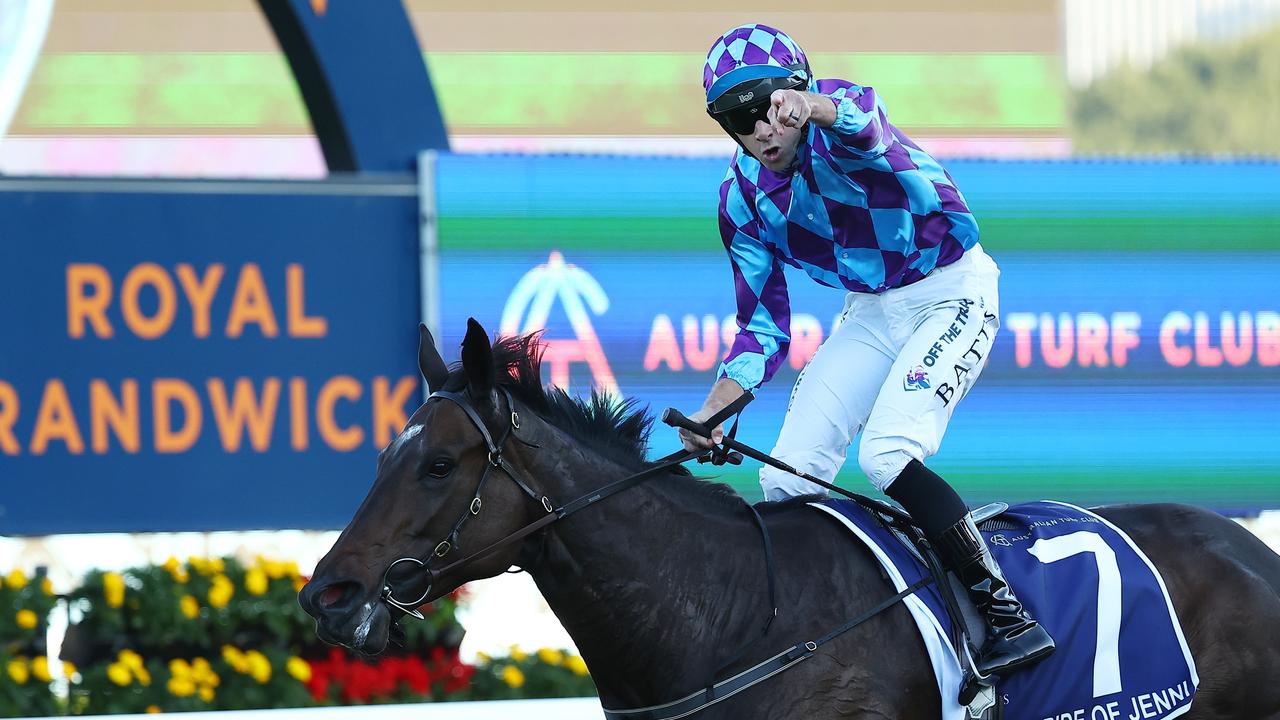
(337, 596)
(331, 595)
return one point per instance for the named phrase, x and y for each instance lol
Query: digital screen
(1139, 351)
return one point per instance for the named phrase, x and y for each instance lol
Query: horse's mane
(617, 430)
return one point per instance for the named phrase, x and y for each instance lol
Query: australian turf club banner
(1139, 389)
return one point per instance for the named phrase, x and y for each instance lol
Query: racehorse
(661, 585)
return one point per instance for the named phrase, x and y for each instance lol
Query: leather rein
(552, 512)
(713, 691)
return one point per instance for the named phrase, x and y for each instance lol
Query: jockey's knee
(779, 485)
(883, 458)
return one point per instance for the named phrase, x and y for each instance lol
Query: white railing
(570, 709)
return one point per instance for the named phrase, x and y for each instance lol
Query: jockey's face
(772, 144)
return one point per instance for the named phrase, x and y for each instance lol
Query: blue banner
(201, 356)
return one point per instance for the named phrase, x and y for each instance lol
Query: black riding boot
(1014, 639)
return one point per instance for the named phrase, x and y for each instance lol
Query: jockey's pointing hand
(791, 109)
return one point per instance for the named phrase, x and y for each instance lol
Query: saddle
(969, 630)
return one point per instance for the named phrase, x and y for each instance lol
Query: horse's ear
(430, 364)
(477, 360)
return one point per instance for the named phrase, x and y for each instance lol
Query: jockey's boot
(1014, 639)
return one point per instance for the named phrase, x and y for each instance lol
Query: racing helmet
(744, 67)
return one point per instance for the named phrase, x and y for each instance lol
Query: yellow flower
(517, 654)
(298, 583)
(550, 657)
(255, 581)
(40, 668)
(19, 671)
(68, 669)
(174, 568)
(298, 668)
(153, 709)
(576, 664)
(46, 585)
(143, 675)
(216, 565)
(130, 659)
(235, 658)
(275, 570)
(113, 589)
(179, 668)
(190, 607)
(200, 565)
(259, 666)
(16, 579)
(181, 686)
(221, 591)
(119, 674)
(26, 619)
(206, 693)
(512, 676)
(483, 658)
(202, 672)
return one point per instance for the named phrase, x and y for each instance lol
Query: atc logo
(917, 379)
(577, 291)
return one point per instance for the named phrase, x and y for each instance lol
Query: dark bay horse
(662, 584)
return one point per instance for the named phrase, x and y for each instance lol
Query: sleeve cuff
(742, 370)
(850, 120)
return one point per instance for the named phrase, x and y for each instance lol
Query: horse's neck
(656, 585)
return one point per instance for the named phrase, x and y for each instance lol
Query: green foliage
(25, 604)
(1200, 100)
(546, 673)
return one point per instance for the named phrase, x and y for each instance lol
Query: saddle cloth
(1121, 653)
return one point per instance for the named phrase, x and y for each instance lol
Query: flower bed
(25, 604)
(214, 634)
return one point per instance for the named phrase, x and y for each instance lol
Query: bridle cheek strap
(553, 513)
(494, 461)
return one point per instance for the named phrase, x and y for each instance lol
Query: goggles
(738, 108)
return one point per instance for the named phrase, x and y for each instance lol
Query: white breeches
(894, 369)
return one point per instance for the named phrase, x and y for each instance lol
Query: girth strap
(729, 687)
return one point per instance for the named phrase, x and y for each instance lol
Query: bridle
(552, 513)
(715, 691)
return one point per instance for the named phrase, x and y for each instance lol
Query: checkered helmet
(747, 46)
(751, 61)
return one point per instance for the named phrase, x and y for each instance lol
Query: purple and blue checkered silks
(863, 208)
(749, 45)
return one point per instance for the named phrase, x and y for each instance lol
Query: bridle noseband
(495, 461)
(552, 512)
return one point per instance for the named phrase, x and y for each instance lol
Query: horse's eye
(440, 468)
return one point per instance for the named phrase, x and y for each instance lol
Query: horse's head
(426, 501)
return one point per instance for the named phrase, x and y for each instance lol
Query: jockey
(824, 183)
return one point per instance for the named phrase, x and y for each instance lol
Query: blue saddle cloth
(1121, 653)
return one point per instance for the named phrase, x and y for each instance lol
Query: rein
(553, 513)
(715, 692)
